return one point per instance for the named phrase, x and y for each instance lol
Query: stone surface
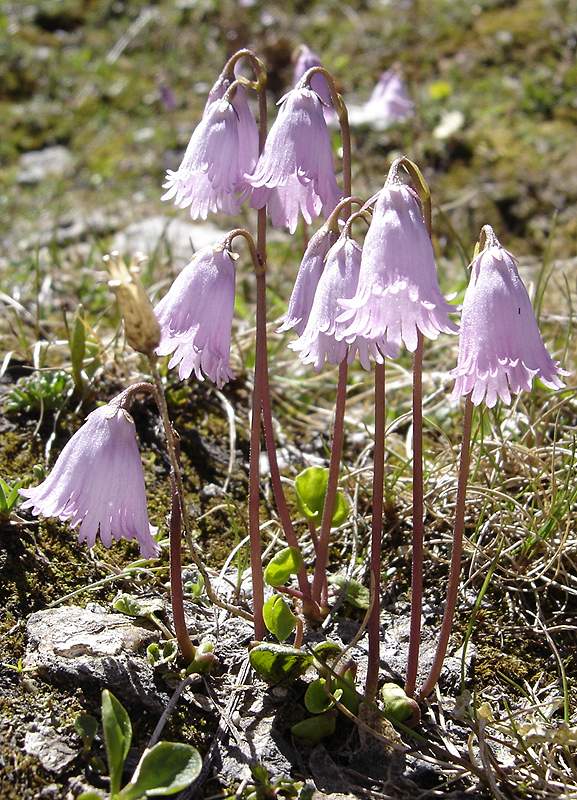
(51, 162)
(92, 648)
(171, 234)
(46, 744)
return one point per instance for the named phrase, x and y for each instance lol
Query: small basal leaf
(285, 563)
(356, 594)
(398, 706)
(159, 654)
(314, 729)
(86, 726)
(278, 663)
(311, 488)
(134, 606)
(317, 699)
(165, 769)
(278, 617)
(117, 737)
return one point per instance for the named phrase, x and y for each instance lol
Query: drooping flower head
(398, 293)
(97, 482)
(223, 147)
(195, 316)
(308, 276)
(500, 347)
(390, 98)
(295, 172)
(319, 341)
(305, 60)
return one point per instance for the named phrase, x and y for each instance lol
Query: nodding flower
(500, 346)
(97, 482)
(319, 340)
(308, 276)
(223, 147)
(195, 316)
(295, 173)
(398, 293)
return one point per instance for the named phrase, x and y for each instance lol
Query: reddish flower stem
(418, 524)
(456, 556)
(374, 626)
(319, 579)
(331, 495)
(176, 592)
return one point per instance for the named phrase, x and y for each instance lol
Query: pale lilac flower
(398, 293)
(195, 317)
(500, 347)
(308, 276)
(390, 98)
(295, 172)
(318, 342)
(307, 59)
(223, 147)
(97, 483)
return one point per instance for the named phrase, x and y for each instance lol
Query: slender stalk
(418, 522)
(195, 551)
(321, 561)
(331, 495)
(456, 556)
(187, 649)
(374, 628)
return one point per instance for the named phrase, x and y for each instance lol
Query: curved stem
(256, 64)
(456, 556)
(333, 219)
(331, 495)
(187, 649)
(376, 533)
(418, 522)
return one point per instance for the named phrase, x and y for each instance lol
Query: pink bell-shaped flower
(398, 293)
(500, 347)
(319, 342)
(97, 482)
(308, 276)
(195, 317)
(295, 173)
(223, 147)
(390, 99)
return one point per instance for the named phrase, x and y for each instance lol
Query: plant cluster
(369, 300)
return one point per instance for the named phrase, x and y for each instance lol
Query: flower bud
(141, 326)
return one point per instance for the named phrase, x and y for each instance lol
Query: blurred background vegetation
(120, 84)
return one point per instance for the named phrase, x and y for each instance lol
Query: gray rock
(167, 234)
(46, 744)
(51, 162)
(90, 648)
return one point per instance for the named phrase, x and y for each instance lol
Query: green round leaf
(356, 594)
(317, 699)
(278, 663)
(134, 606)
(285, 563)
(311, 489)
(397, 705)
(167, 768)
(278, 617)
(314, 729)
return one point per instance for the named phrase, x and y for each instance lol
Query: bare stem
(175, 465)
(187, 649)
(418, 523)
(331, 495)
(376, 533)
(456, 556)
